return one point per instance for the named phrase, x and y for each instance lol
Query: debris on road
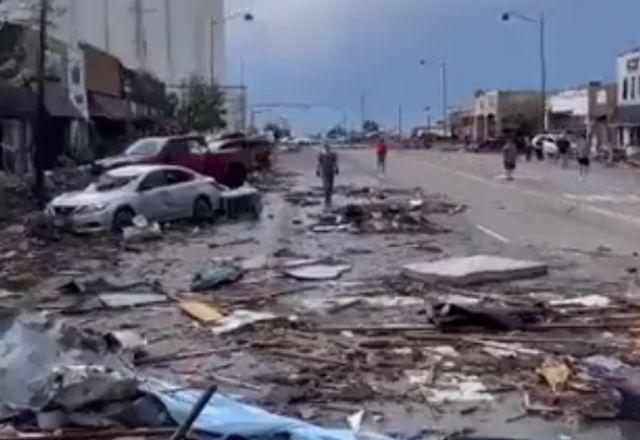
(318, 272)
(476, 269)
(141, 230)
(239, 319)
(201, 312)
(215, 274)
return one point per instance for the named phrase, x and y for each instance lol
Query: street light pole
(540, 22)
(246, 16)
(443, 94)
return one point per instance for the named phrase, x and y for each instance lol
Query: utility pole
(400, 121)
(107, 35)
(362, 111)
(543, 73)
(443, 91)
(40, 136)
(169, 35)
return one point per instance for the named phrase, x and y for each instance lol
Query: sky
(330, 52)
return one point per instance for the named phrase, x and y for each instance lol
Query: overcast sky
(331, 51)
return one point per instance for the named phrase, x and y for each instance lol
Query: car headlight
(94, 207)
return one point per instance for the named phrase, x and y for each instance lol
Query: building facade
(627, 115)
(500, 113)
(171, 39)
(584, 111)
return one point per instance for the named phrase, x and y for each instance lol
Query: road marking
(536, 194)
(493, 234)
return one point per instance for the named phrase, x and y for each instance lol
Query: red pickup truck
(228, 160)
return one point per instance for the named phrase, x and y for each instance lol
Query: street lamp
(443, 93)
(543, 62)
(245, 16)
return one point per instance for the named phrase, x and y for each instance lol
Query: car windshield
(143, 147)
(108, 182)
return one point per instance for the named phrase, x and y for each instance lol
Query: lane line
(541, 196)
(493, 234)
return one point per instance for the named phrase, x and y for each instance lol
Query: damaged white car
(157, 192)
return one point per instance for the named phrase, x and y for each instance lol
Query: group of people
(328, 169)
(563, 147)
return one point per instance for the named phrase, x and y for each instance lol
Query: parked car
(228, 160)
(549, 144)
(158, 192)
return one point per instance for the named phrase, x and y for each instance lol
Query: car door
(181, 185)
(155, 201)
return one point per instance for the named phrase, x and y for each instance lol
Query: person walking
(563, 150)
(584, 157)
(327, 170)
(509, 156)
(381, 154)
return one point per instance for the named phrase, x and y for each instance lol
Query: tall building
(169, 38)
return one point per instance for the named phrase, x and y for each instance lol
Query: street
(298, 366)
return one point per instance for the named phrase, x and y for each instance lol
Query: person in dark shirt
(327, 170)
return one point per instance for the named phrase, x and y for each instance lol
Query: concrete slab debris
(318, 272)
(200, 311)
(475, 269)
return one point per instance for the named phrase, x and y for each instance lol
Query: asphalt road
(545, 206)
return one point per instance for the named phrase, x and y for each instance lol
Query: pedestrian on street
(381, 154)
(509, 156)
(327, 170)
(528, 148)
(584, 157)
(563, 150)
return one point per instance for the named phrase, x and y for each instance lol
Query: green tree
(202, 106)
(370, 126)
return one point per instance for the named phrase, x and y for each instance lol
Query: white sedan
(157, 192)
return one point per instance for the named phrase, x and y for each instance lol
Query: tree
(336, 132)
(370, 126)
(202, 106)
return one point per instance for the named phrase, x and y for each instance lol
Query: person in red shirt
(381, 154)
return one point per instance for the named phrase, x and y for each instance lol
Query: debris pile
(367, 210)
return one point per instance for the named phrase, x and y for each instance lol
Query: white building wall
(628, 78)
(176, 33)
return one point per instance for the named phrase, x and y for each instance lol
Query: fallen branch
(154, 360)
(308, 357)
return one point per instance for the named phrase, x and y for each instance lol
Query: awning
(17, 102)
(58, 104)
(108, 107)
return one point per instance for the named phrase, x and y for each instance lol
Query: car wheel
(122, 218)
(202, 209)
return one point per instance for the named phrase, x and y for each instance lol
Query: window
(178, 176)
(625, 89)
(156, 179)
(232, 145)
(144, 147)
(633, 87)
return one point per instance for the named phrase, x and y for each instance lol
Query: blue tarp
(226, 417)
